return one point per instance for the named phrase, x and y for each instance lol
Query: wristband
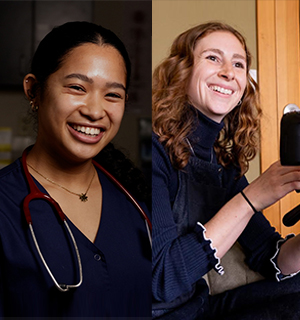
(250, 204)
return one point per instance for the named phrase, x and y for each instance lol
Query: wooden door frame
(279, 81)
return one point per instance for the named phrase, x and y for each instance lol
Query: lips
(86, 134)
(92, 131)
(221, 90)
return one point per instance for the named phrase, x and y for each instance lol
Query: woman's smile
(219, 75)
(221, 90)
(84, 102)
(86, 130)
(86, 134)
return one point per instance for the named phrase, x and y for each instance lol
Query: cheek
(199, 77)
(243, 90)
(116, 115)
(243, 80)
(193, 85)
(51, 102)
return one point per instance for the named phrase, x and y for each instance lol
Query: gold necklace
(82, 196)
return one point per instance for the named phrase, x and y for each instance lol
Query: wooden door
(279, 80)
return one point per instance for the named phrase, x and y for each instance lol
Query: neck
(204, 137)
(58, 169)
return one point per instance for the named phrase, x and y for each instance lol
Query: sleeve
(178, 260)
(1, 285)
(279, 275)
(260, 242)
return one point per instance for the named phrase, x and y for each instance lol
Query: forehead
(93, 58)
(222, 40)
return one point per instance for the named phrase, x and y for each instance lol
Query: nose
(94, 108)
(227, 71)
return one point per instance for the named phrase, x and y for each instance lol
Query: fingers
(285, 178)
(276, 182)
(277, 167)
(292, 178)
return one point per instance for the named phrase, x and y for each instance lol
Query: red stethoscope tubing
(35, 193)
(129, 196)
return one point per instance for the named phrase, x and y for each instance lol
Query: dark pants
(263, 300)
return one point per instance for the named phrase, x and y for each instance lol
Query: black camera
(290, 150)
(290, 136)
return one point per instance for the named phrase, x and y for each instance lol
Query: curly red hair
(174, 119)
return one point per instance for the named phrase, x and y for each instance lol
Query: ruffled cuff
(279, 276)
(217, 267)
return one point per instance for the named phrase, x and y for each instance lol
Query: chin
(223, 112)
(81, 154)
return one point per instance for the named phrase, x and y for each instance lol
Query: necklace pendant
(83, 197)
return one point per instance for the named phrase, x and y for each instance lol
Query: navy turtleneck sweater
(181, 260)
(203, 138)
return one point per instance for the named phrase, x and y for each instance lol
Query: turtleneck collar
(205, 135)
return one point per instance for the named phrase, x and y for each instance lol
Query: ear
(28, 84)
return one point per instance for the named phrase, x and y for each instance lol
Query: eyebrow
(235, 55)
(80, 77)
(116, 85)
(90, 80)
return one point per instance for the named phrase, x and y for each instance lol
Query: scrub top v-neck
(116, 267)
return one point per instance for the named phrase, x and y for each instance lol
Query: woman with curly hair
(205, 119)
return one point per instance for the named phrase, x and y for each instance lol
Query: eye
(239, 65)
(212, 58)
(114, 95)
(77, 88)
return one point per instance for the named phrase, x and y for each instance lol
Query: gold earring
(33, 107)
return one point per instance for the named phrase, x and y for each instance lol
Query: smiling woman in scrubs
(77, 89)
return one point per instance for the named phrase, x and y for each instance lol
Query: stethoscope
(35, 193)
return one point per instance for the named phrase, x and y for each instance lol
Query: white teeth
(222, 90)
(87, 130)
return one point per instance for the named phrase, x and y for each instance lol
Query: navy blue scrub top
(116, 267)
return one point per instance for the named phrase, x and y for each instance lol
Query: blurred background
(22, 26)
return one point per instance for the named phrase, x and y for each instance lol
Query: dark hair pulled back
(48, 58)
(58, 43)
